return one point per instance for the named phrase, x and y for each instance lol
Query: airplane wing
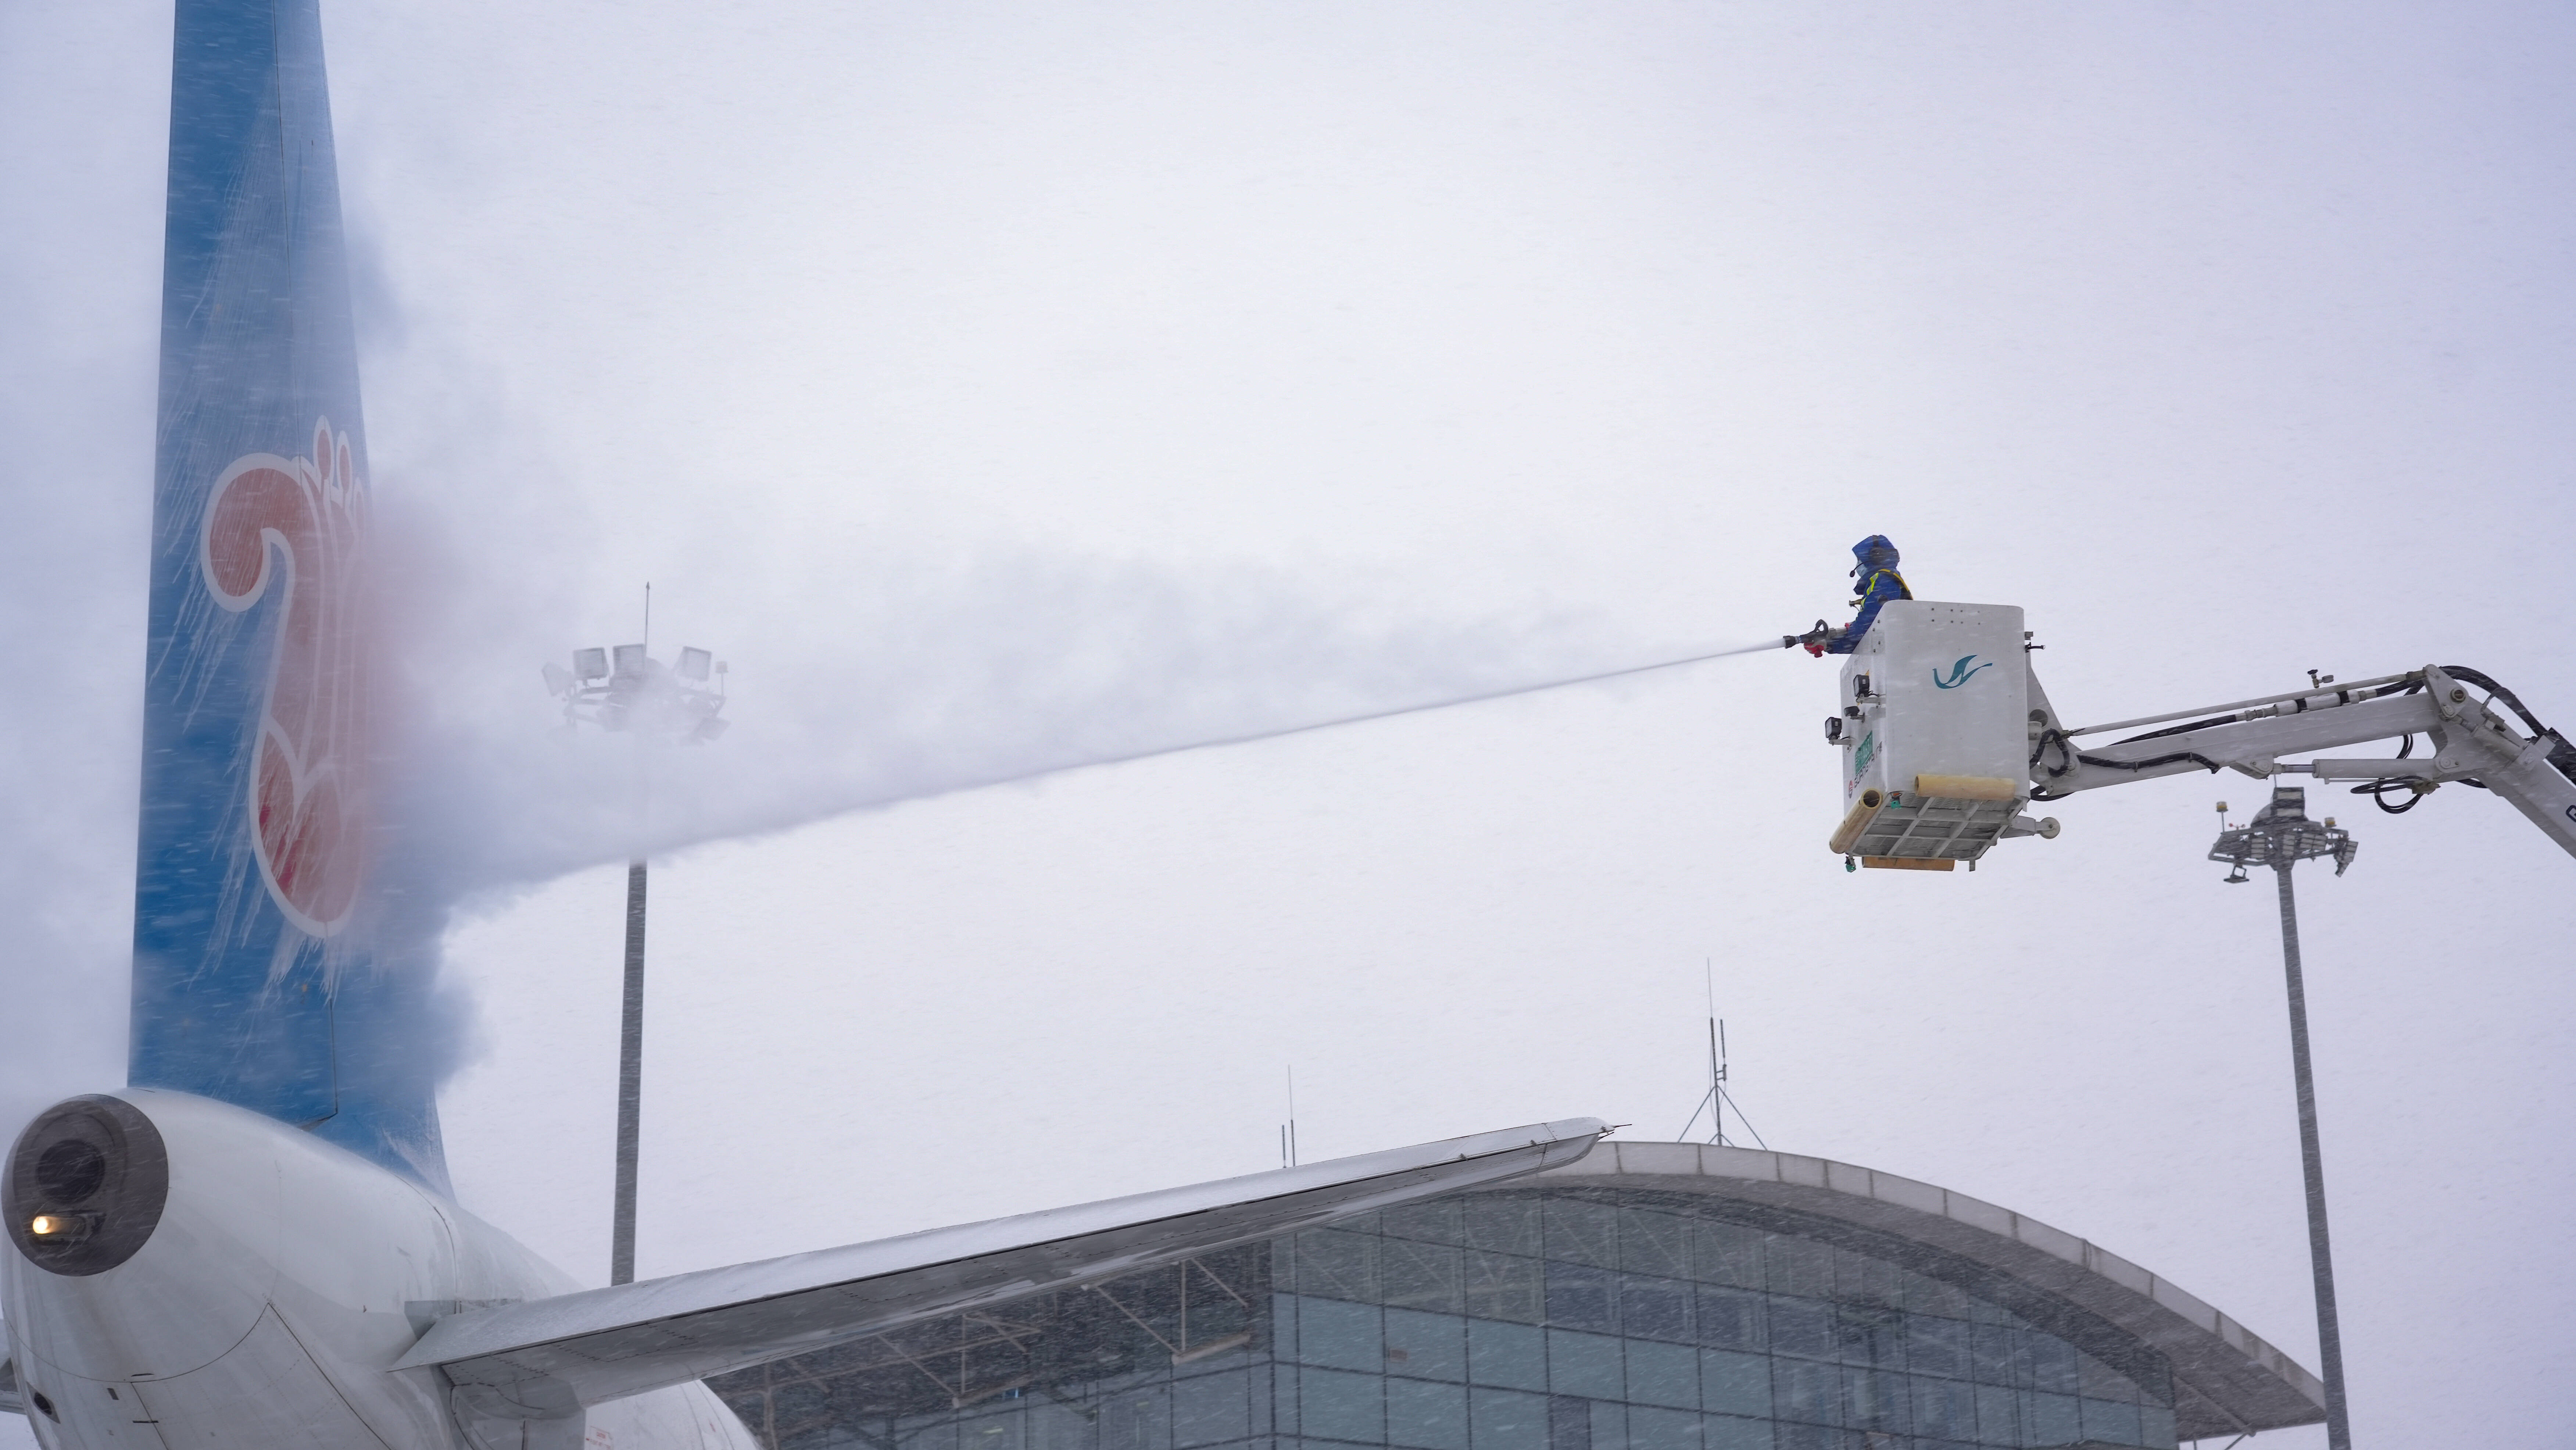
(604, 1344)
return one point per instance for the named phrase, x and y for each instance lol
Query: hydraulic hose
(2072, 757)
(2562, 755)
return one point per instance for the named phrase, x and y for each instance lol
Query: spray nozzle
(1815, 639)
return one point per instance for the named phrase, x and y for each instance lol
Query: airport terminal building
(1654, 1296)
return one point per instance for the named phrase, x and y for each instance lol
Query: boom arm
(2471, 743)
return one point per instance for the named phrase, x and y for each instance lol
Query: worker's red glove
(1817, 650)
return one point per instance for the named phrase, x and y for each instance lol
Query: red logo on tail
(308, 800)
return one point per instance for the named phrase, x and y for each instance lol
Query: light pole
(2281, 836)
(633, 693)
(630, 1084)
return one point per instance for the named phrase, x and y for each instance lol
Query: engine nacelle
(188, 1272)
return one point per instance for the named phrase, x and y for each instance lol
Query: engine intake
(86, 1185)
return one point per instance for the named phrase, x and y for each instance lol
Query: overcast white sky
(995, 386)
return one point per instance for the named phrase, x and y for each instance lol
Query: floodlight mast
(2281, 836)
(630, 1084)
(655, 703)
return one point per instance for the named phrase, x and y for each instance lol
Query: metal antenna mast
(1288, 1129)
(1717, 1099)
(1716, 1056)
(1716, 1086)
(2281, 836)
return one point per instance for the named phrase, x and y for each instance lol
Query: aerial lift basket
(1934, 730)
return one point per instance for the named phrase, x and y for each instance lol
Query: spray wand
(1815, 639)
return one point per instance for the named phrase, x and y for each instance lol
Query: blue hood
(1874, 552)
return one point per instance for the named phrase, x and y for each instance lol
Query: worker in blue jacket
(1879, 583)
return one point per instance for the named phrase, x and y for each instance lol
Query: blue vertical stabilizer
(258, 977)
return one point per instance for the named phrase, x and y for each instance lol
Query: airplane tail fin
(257, 977)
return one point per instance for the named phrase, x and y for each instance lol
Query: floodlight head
(559, 681)
(630, 659)
(2281, 835)
(695, 663)
(590, 664)
(2289, 803)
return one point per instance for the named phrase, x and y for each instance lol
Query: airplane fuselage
(218, 1278)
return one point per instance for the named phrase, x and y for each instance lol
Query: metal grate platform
(1932, 828)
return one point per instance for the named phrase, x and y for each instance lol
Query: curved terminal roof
(2226, 1381)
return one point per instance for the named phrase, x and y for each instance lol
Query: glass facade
(1574, 1318)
